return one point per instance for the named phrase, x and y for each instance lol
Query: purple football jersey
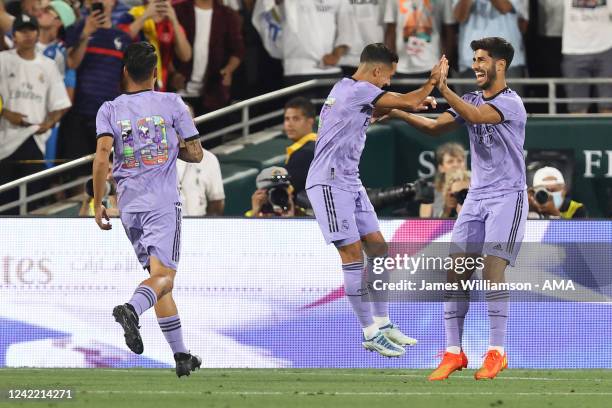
(343, 122)
(498, 163)
(145, 127)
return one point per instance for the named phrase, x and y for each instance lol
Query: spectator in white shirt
(420, 31)
(201, 186)
(316, 34)
(368, 17)
(34, 99)
(587, 49)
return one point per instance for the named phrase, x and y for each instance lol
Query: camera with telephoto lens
(541, 196)
(109, 189)
(278, 198)
(421, 191)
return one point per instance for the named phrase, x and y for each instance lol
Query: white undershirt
(200, 51)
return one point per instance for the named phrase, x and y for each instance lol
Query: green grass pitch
(296, 388)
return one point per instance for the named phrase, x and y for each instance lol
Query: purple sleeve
(366, 93)
(103, 121)
(183, 121)
(509, 107)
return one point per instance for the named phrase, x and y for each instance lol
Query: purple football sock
(498, 303)
(379, 299)
(171, 327)
(143, 299)
(456, 305)
(357, 293)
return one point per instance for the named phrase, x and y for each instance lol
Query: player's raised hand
(444, 67)
(434, 77)
(427, 102)
(100, 214)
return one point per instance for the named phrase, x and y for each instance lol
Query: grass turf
(297, 388)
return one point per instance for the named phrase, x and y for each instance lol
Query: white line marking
(398, 374)
(320, 393)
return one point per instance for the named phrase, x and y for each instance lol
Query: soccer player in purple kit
(340, 203)
(492, 219)
(148, 131)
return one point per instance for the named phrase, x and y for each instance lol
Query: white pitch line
(149, 371)
(316, 393)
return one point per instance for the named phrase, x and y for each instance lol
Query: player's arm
(415, 100)
(100, 170)
(191, 150)
(473, 114)
(412, 101)
(434, 127)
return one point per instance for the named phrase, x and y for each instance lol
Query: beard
(491, 77)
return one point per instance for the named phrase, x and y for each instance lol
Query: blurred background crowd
(62, 59)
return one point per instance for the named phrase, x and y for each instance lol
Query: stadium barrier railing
(246, 121)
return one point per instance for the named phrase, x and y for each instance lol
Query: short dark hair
(497, 47)
(378, 52)
(140, 60)
(303, 104)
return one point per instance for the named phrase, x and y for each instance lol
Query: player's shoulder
(511, 98)
(472, 96)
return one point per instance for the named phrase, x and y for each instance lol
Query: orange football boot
(492, 365)
(450, 363)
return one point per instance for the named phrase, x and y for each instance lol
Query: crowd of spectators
(63, 58)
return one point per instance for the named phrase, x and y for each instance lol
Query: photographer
(449, 157)
(549, 198)
(455, 192)
(109, 200)
(274, 195)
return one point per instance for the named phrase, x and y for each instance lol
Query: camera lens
(279, 197)
(541, 196)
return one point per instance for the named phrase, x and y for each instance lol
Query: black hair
(378, 52)
(140, 60)
(303, 104)
(497, 47)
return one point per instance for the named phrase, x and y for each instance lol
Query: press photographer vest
(571, 209)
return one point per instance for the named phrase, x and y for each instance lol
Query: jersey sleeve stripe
(501, 115)
(380, 95)
(192, 138)
(104, 134)
(453, 114)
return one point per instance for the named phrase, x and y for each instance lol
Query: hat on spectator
(272, 176)
(64, 11)
(23, 20)
(553, 175)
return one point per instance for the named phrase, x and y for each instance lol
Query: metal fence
(247, 121)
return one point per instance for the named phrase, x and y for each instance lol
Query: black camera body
(278, 199)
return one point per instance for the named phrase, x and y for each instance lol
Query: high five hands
(439, 74)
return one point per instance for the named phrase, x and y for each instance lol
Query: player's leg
(334, 210)
(144, 297)
(375, 247)
(170, 324)
(356, 291)
(466, 241)
(505, 228)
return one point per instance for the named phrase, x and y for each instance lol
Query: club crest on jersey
(118, 43)
(330, 101)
